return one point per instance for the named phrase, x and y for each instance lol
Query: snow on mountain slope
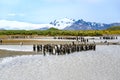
(62, 23)
(83, 25)
(16, 25)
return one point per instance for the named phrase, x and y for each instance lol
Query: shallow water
(102, 64)
(17, 47)
(30, 47)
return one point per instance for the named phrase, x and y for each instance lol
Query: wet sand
(8, 53)
(54, 41)
(34, 41)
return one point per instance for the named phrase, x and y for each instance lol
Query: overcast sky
(45, 11)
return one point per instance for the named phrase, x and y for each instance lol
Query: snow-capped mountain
(83, 25)
(62, 23)
(65, 24)
(16, 25)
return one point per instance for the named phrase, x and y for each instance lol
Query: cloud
(14, 14)
(12, 25)
(11, 14)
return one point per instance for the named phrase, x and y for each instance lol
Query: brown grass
(31, 42)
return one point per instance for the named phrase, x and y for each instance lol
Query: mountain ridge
(63, 24)
(83, 25)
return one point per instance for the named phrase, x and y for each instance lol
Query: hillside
(84, 25)
(114, 28)
(56, 32)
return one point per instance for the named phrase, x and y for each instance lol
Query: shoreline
(54, 41)
(12, 53)
(17, 40)
(9, 53)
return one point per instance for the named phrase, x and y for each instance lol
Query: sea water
(102, 64)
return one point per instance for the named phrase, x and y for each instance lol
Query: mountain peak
(65, 19)
(83, 25)
(62, 23)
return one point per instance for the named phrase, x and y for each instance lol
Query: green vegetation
(56, 32)
(114, 28)
(53, 29)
